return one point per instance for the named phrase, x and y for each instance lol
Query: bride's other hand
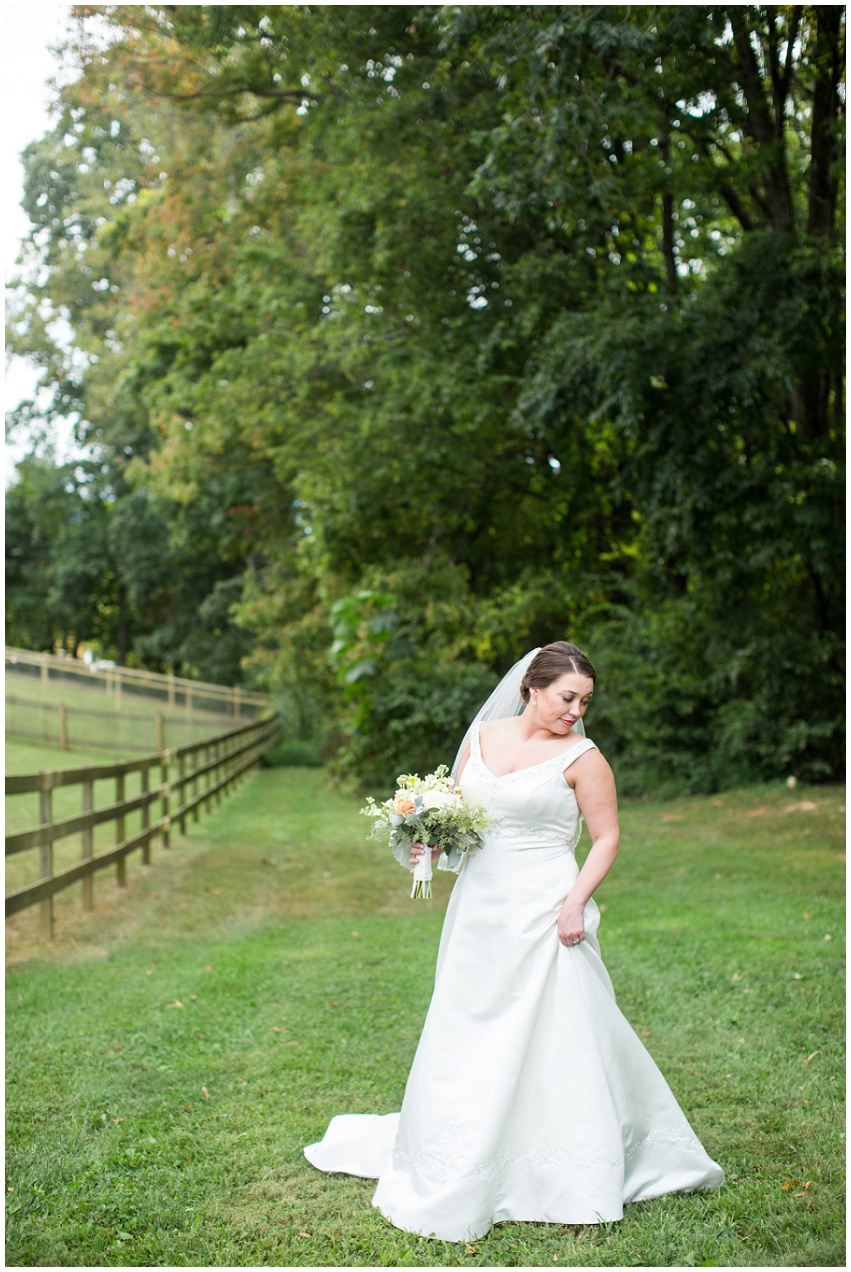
(571, 924)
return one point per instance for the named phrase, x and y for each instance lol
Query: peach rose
(403, 806)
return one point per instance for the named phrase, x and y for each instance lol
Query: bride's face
(562, 703)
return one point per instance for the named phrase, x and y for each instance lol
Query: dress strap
(575, 751)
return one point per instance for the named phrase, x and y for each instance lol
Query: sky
(26, 64)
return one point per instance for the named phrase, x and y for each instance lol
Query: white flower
(439, 799)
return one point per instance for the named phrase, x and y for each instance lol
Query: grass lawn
(170, 1053)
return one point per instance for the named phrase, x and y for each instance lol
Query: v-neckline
(498, 777)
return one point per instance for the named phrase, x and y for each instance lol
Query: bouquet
(431, 811)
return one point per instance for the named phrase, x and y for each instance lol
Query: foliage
(522, 321)
(57, 564)
(121, 573)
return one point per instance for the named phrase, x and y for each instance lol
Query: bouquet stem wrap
(422, 876)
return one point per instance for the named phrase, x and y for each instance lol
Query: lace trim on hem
(446, 1161)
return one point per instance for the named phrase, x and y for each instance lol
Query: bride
(530, 1097)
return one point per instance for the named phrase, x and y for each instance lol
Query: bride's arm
(594, 785)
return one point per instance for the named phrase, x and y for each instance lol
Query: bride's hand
(571, 924)
(417, 851)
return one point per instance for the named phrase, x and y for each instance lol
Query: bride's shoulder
(586, 748)
(587, 764)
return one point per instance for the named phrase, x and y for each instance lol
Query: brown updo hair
(553, 661)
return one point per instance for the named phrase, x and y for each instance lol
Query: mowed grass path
(170, 1054)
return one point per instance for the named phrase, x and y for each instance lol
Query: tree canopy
(404, 338)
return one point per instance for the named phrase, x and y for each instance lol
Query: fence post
(210, 776)
(181, 769)
(163, 777)
(121, 864)
(160, 732)
(229, 764)
(44, 671)
(63, 728)
(200, 755)
(45, 799)
(146, 819)
(88, 848)
(214, 776)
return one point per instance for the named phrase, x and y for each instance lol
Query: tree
(525, 318)
(55, 569)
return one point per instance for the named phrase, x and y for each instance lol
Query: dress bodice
(532, 806)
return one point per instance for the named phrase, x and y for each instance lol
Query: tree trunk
(668, 248)
(811, 398)
(810, 406)
(827, 59)
(766, 130)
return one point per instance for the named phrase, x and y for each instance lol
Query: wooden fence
(190, 778)
(75, 726)
(174, 692)
(66, 702)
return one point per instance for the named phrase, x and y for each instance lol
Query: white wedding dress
(530, 1096)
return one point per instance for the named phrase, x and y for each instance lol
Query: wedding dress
(530, 1096)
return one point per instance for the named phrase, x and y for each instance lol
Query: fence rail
(176, 690)
(190, 777)
(68, 703)
(72, 727)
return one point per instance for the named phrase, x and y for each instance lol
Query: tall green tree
(438, 331)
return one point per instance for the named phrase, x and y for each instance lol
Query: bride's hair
(553, 661)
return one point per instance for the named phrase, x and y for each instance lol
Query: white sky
(26, 64)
